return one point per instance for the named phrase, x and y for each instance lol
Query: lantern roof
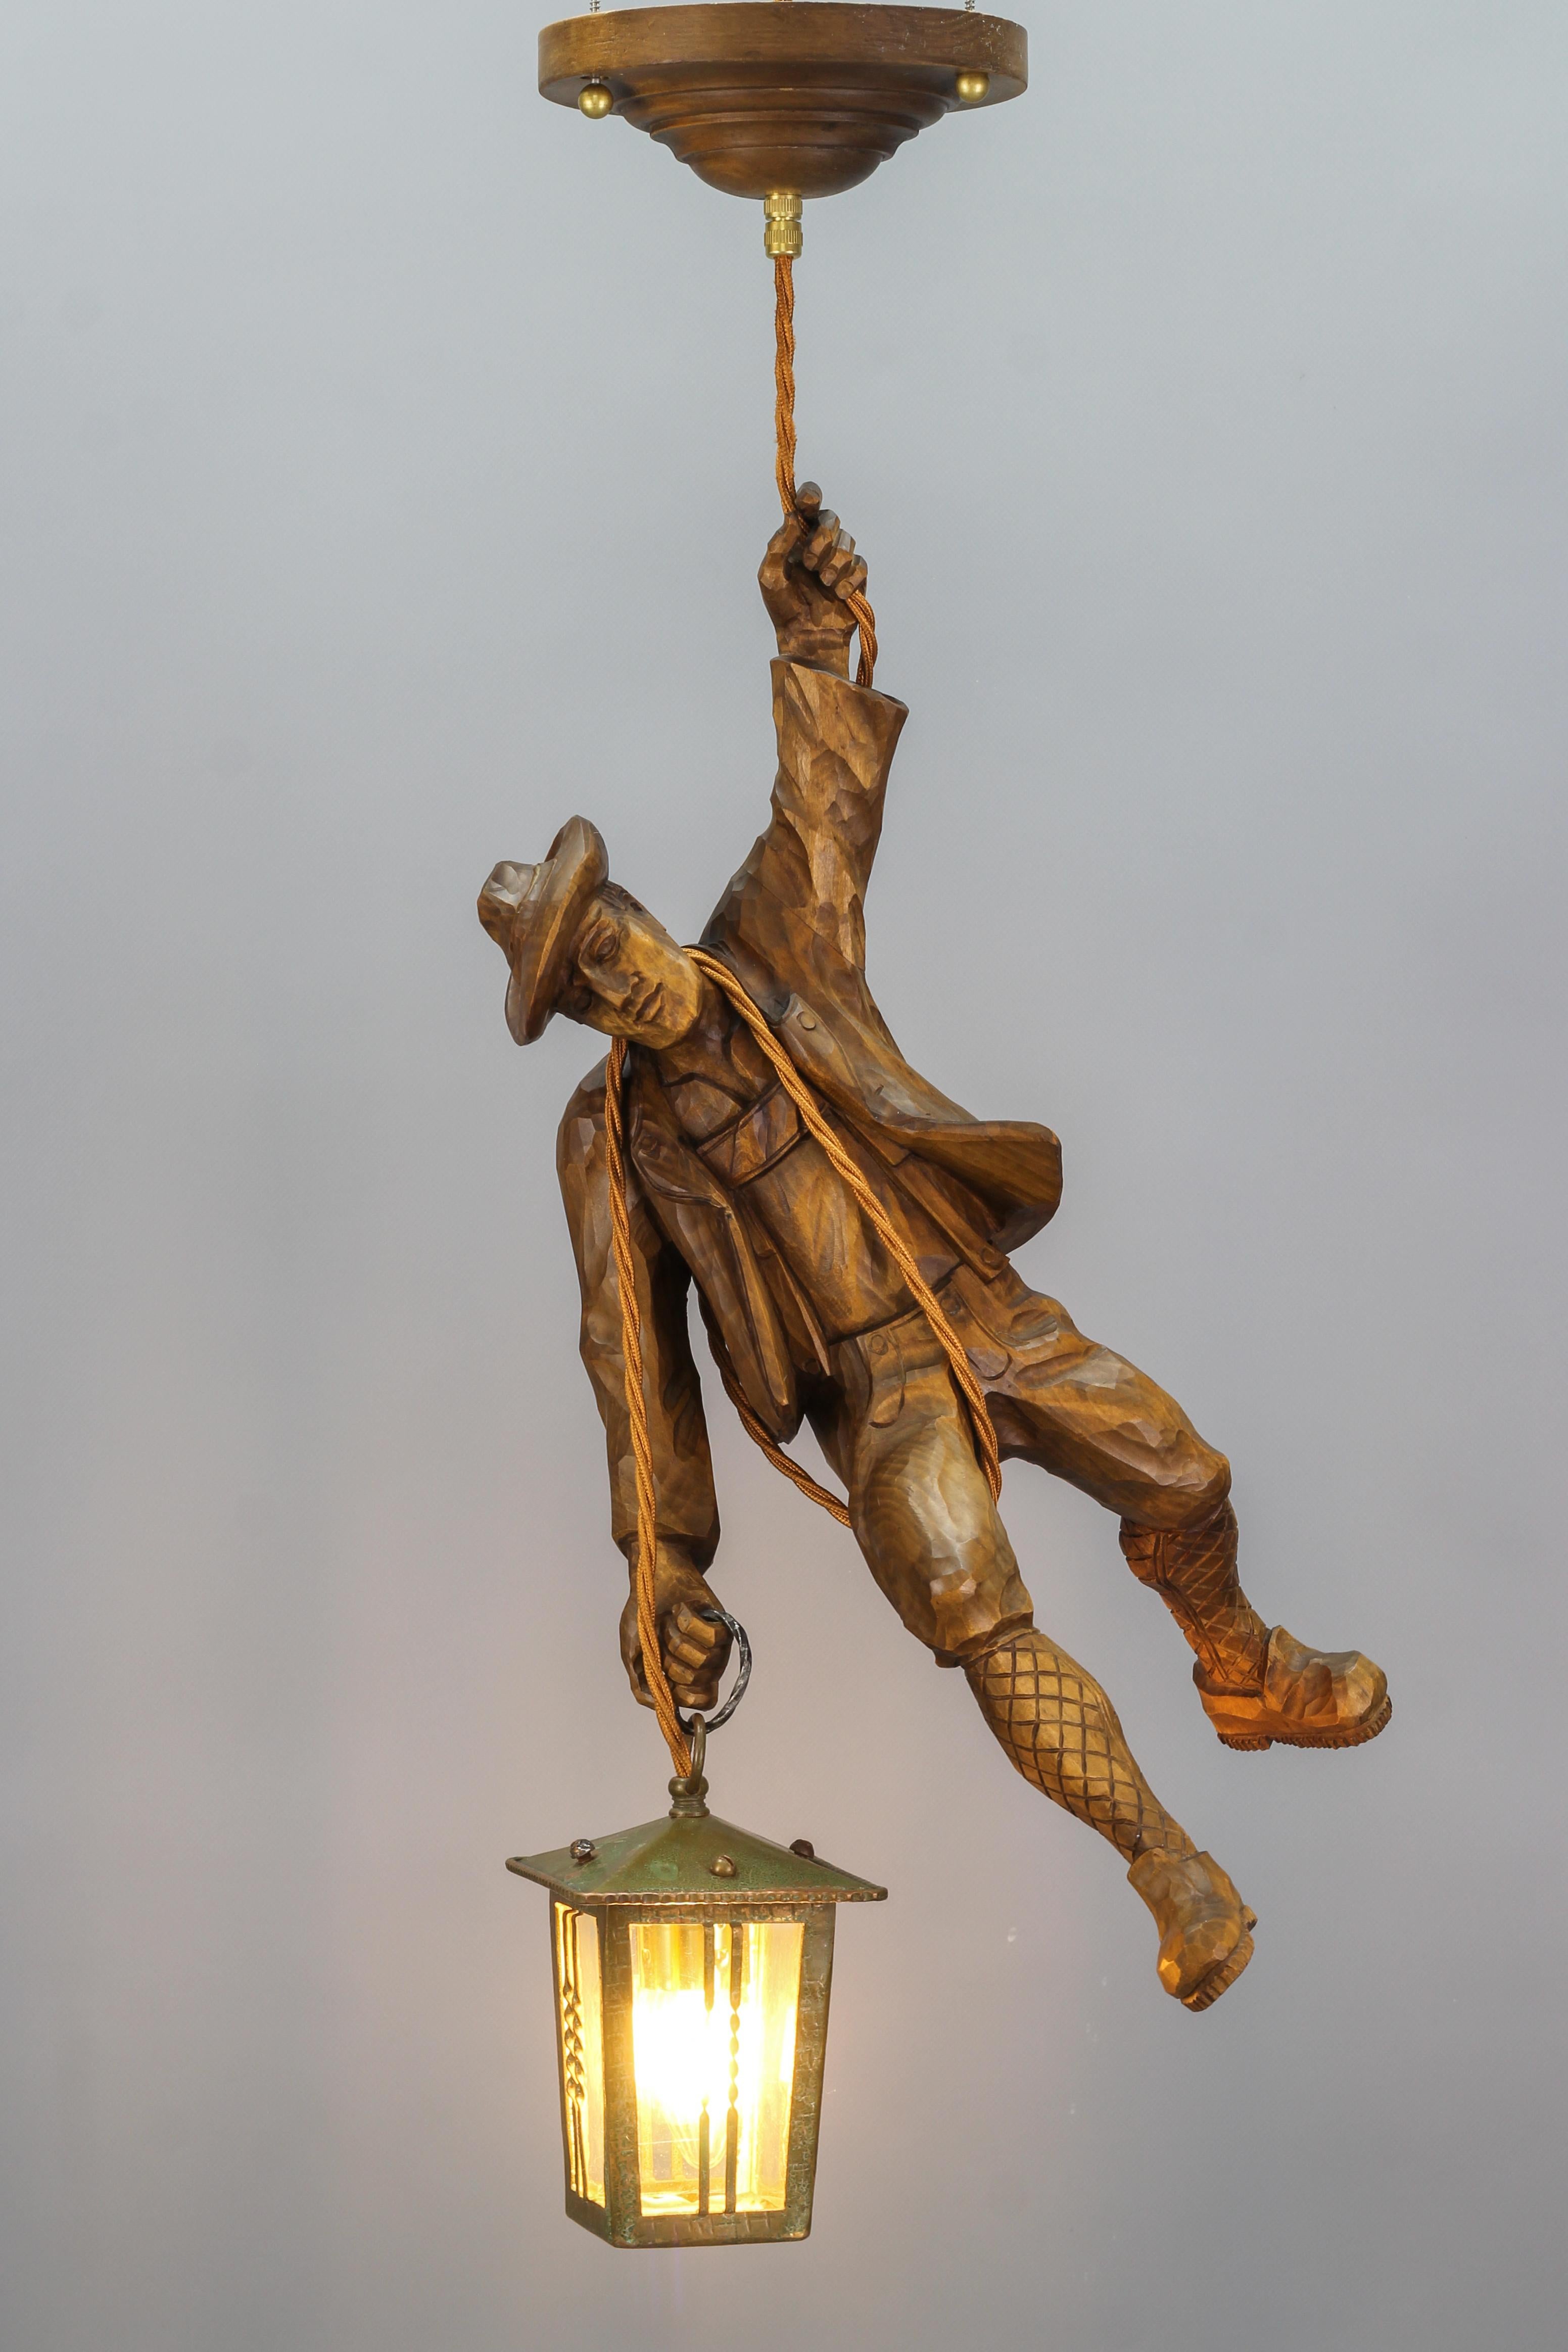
(685, 1861)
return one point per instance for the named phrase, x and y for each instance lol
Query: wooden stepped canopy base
(767, 97)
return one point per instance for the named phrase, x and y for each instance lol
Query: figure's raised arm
(836, 741)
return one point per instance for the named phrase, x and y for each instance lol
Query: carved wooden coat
(791, 926)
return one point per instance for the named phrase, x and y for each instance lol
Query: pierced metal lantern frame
(688, 1871)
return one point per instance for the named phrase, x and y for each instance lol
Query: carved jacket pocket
(884, 1361)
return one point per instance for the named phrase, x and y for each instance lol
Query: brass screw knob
(722, 1866)
(783, 238)
(970, 87)
(583, 1849)
(804, 1848)
(594, 100)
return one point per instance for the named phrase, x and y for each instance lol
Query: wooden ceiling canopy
(763, 96)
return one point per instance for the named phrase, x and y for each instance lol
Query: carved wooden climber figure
(814, 1320)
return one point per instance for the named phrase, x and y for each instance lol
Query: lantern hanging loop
(696, 1727)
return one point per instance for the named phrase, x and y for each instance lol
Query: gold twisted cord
(865, 621)
(776, 1454)
(784, 379)
(637, 1413)
(898, 1249)
(784, 435)
(800, 1094)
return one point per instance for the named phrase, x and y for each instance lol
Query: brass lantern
(692, 1966)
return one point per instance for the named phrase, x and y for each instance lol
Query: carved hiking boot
(1205, 1929)
(1304, 1699)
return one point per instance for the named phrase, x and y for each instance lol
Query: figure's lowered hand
(695, 1651)
(809, 571)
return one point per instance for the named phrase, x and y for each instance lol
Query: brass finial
(782, 236)
(688, 1792)
(689, 1789)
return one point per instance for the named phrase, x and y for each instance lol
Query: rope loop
(898, 1249)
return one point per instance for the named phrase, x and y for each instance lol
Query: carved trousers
(923, 1513)
(896, 1433)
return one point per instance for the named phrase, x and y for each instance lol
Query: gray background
(386, 458)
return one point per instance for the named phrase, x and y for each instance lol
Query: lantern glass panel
(713, 2030)
(578, 1983)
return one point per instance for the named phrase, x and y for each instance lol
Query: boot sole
(1350, 1735)
(1221, 1979)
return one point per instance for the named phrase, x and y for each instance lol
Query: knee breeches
(922, 1511)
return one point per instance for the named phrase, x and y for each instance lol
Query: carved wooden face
(628, 978)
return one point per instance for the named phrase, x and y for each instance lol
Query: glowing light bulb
(713, 2039)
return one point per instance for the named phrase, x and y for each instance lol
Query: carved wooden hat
(533, 913)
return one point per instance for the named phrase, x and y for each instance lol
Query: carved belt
(755, 1141)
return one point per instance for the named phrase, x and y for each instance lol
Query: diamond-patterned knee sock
(1194, 1571)
(1060, 1731)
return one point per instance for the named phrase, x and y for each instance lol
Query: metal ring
(713, 1722)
